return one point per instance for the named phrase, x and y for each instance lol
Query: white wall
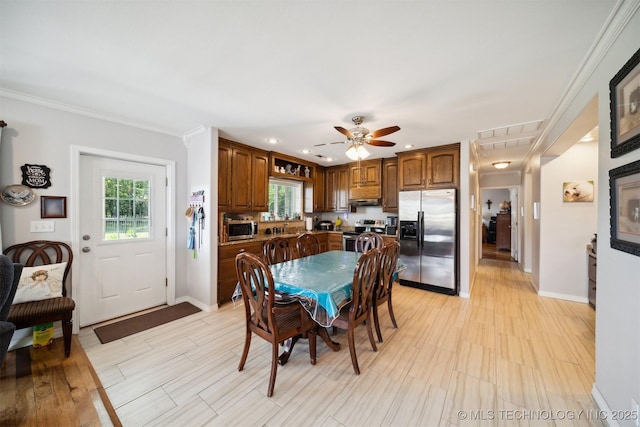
(617, 376)
(566, 228)
(202, 175)
(39, 134)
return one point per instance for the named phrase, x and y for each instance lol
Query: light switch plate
(42, 226)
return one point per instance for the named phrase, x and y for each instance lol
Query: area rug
(124, 328)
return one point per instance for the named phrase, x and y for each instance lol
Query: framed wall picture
(53, 207)
(577, 191)
(624, 97)
(624, 191)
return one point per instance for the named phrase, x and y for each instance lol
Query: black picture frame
(624, 100)
(624, 199)
(53, 207)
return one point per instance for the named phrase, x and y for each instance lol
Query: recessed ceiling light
(305, 151)
(408, 146)
(329, 159)
(272, 140)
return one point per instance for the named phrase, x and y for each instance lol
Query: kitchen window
(285, 199)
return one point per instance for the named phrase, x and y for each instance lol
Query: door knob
(86, 249)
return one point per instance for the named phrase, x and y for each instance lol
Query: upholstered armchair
(9, 278)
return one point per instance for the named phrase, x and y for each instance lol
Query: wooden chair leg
(376, 322)
(352, 351)
(390, 306)
(274, 368)
(370, 333)
(67, 331)
(245, 351)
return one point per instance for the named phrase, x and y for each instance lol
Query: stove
(375, 225)
(362, 226)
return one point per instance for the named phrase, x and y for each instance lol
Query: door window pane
(126, 209)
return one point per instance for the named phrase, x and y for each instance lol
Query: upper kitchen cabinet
(437, 167)
(443, 167)
(337, 188)
(390, 185)
(243, 179)
(319, 190)
(224, 176)
(365, 179)
(412, 171)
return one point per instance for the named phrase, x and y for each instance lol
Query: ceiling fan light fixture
(500, 165)
(357, 152)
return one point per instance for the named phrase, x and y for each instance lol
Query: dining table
(322, 283)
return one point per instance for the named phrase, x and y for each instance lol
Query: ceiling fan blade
(344, 131)
(384, 131)
(320, 145)
(379, 143)
(338, 142)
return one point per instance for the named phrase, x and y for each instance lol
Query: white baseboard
(602, 406)
(556, 295)
(200, 305)
(466, 295)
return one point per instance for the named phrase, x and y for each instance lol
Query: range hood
(364, 202)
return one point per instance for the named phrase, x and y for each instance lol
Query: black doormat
(131, 326)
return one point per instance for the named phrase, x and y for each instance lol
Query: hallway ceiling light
(500, 165)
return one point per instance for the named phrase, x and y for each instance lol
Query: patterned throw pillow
(40, 282)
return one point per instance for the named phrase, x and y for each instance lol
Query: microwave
(241, 229)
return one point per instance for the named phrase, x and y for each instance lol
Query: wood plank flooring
(504, 357)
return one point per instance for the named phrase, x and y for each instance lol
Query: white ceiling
(444, 71)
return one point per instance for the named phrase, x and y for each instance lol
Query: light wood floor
(504, 357)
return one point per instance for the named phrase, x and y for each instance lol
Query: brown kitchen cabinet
(243, 179)
(412, 171)
(503, 232)
(334, 241)
(443, 168)
(390, 185)
(365, 179)
(227, 278)
(337, 189)
(224, 176)
(431, 168)
(319, 190)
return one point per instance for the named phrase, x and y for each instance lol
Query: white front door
(123, 238)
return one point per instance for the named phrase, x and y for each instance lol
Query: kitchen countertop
(265, 237)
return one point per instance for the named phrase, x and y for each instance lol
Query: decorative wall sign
(36, 176)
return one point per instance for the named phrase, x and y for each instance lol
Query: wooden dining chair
(40, 254)
(276, 250)
(307, 244)
(270, 321)
(388, 263)
(359, 309)
(368, 240)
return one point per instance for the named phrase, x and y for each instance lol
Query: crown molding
(7, 93)
(617, 21)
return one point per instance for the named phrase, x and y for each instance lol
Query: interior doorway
(499, 223)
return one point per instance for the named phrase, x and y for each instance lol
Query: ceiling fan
(359, 135)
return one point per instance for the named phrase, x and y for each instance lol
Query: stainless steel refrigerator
(428, 241)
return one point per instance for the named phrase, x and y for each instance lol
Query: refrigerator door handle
(420, 236)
